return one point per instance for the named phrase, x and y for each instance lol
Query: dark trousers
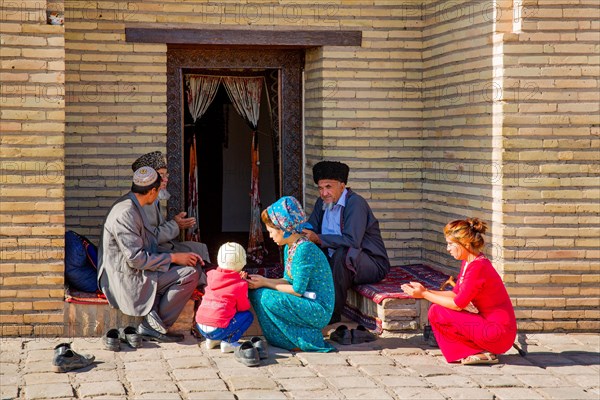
(349, 271)
(174, 289)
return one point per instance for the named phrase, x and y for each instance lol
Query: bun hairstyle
(468, 233)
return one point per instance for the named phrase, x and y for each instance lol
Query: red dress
(461, 333)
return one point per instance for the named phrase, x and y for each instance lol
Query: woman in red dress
(475, 321)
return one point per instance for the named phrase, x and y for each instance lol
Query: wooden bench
(384, 307)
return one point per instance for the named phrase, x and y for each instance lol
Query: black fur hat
(154, 160)
(334, 170)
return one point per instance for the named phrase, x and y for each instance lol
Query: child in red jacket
(223, 315)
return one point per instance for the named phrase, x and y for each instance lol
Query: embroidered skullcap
(334, 170)
(287, 214)
(231, 256)
(154, 160)
(144, 176)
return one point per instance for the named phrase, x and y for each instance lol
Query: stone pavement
(558, 366)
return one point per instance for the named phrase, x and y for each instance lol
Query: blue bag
(81, 257)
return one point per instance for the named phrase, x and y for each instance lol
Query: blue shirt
(331, 219)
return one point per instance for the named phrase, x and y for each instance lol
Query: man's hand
(313, 237)
(182, 222)
(186, 259)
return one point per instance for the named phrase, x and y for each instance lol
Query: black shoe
(65, 359)
(262, 347)
(130, 336)
(111, 340)
(153, 321)
(247, 354)
(432, 341)
(341, 335)
(155, 336)
(362, 335)
(427, 332)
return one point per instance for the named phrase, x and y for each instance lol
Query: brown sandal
(482, 358)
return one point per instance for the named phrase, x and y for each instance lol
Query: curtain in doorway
(245, 94)
(201, 91)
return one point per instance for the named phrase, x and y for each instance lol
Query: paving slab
(316, 395)
(284, 372)
(566, 393)
(383, 370)
(345, 382)
(202, 385)
(154, 386)
(48, 391)
(260, 395)
(418, 393)
(516, 394)
(224, 395)
(237, 383)
(109, 388)
(469, 393)
(444, 381)
(195, 373)
(366, 394)
(534, 381)
(497, 381)
(587, 381)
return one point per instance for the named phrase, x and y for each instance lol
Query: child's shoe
(211, 344)
(227, 347)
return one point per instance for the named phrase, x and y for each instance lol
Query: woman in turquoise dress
(288, 318)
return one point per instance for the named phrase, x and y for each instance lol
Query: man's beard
(327, 206)
(163, 194)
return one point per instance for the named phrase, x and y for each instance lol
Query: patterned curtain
(245, 93)
(201, 91)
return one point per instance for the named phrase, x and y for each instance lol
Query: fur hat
(155, 160)
(231, 256)
(144, 176)
(334, 170)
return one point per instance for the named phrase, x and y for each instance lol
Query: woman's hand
(243, 275)
(256, 281)
(414, 289)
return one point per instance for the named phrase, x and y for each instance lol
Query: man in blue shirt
(346, 229)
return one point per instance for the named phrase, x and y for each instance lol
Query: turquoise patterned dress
(289, 321)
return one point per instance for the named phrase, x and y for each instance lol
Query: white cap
(144, 176)
(231, 256)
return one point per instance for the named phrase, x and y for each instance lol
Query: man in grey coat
(347, 231)
(134, 276)
(168, 231)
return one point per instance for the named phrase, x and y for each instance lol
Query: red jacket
(226, 293)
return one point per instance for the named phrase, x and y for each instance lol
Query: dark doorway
(223, 141)
(285, 69)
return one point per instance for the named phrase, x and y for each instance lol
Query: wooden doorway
(285, 69)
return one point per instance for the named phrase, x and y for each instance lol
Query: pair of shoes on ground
(251, 352)
(429, 336)
(345, 336)
(114, 337)
(66, 359)
(481, 358)
(153, 329)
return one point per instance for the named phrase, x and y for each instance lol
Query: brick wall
(457, 85)
(551, 186)
(31, 170)
(363, 108)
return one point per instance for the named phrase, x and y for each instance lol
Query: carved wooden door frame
(289, 63)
